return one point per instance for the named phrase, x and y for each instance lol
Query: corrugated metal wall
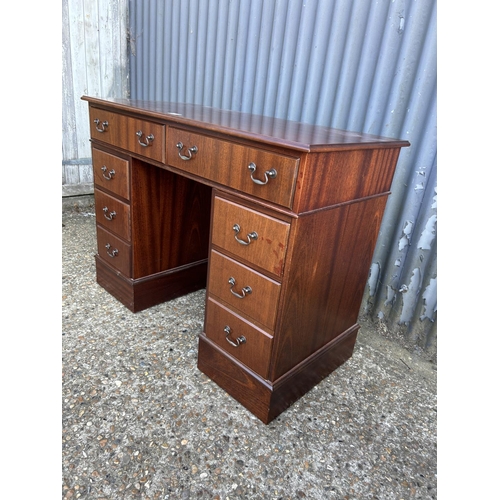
(94, 62)
(356, 64)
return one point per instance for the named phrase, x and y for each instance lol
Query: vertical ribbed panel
(354, 64)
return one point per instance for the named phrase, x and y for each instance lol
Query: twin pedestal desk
(277, 219)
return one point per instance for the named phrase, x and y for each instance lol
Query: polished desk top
(291, 134)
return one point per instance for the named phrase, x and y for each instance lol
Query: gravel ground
(139, 421)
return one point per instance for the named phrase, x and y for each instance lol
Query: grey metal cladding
(359, 65)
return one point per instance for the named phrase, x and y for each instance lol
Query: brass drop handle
(111, 215)
(111, 173)
(113, 252)
(250, 236)
(191, 151)
(239, 340)
(104, 125)
(246, 290)
(268, 174)
(149, 139)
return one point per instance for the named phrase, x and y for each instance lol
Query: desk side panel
(326, 272)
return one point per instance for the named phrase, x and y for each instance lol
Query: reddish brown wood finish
(254, 351)
(113, 250)
(305, 375)
(170, 220)
(262, 129)
(261, 304)
(317, 224)
(115, 177)
(112, 214)
(325, 278)
(252, 391)
(264, 399)
(121, 131)
(227, 163)
(163, 251)
(142, 293)
(352, 175)
(267, 251)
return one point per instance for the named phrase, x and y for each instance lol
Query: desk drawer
(111, 173)
(222, 326)
(252, 293)
(250, 235)
(227, 163)
(114, 251)
(112, 214)
(122, 131)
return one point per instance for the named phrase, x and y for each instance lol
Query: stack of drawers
(244, 284)
(112, 178)
(112, 205)
(138, 208)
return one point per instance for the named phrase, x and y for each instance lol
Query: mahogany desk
(277, 219)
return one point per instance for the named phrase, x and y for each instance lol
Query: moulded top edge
(287, 133)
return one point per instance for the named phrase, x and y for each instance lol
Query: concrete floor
(141, 422)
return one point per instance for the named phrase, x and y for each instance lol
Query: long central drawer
(264, 174)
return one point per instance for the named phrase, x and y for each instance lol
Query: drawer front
(228, 163)
(114, 251)
(111, 173)
(122, 131)
(112, 214)
(254, 351)
(254, 237)
(244, 289)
